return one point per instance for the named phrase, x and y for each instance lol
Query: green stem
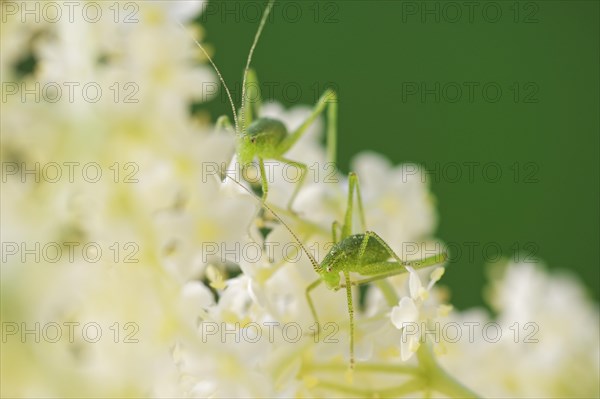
(363, 367)
(438, 379)
(409, 387)
(428, 376)
(388, 292)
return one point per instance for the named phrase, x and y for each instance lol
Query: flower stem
(364, 367)
(438, 379)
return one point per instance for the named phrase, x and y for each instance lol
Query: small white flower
(409, 311)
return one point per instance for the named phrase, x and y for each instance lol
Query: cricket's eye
(253, 140)
(328, 269)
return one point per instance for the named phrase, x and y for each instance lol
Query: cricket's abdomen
(345, 256)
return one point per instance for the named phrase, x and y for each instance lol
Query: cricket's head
(329, 273)
(261, 139)
(331, 278)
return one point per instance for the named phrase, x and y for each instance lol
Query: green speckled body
(345, 256)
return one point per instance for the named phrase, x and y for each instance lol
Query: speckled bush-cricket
(264, 138)
(366, 254)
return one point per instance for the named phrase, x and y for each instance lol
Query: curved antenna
(235, 119)
(313, 261)
(256, 37)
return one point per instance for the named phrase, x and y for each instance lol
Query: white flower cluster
(545, 341)
(131, 269)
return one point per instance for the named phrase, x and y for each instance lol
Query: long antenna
(256, 37)
(314, 262)
(235, 119)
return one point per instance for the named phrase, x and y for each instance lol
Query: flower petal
(414, 283)
(405, 312)
(408, 346)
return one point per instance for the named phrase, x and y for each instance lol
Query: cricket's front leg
(351, 313)
(327, 100)
(311, 305)
(263, 179)
(224, 124)
(303, 172)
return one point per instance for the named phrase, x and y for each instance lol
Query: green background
(543, 55)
